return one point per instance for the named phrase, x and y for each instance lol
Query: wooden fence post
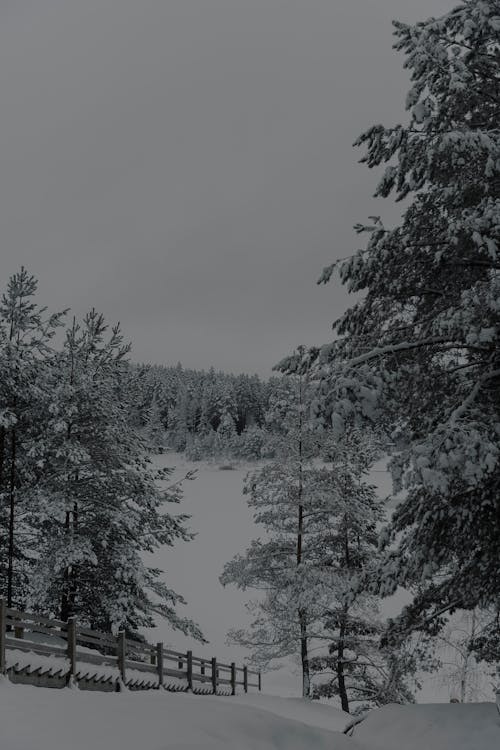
(260, 681)
(71, 633)
(233, 678)
(3, 617)
(245, 679)
(214, 676)
(190, 670)
(122, 654)
(159, 663)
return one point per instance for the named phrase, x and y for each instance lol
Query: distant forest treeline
(204, 413)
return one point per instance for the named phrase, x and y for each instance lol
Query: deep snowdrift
(433, 726)
(42, 719)
(312, 713)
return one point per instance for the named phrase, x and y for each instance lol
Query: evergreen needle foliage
(420, 353)
(80, 500)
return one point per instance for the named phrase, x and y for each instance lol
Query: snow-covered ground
(42, 719)
(472, 726)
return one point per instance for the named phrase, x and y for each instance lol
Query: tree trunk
(68, 593)
(12, 491)
(73, 573)
(65, 608)
(344, 701)
(2, 453)
(2, 462)
(304, 656)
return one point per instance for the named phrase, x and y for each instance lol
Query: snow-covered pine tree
(420, 350)
(292, 565)
(355, 668)
(99, 507)
(26, 331)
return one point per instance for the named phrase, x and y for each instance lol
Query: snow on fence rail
(79, 654)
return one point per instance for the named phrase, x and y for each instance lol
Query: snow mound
(40, 719)
(312, 713)
(433, 726)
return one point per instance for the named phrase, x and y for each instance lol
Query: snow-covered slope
(452, 726)
(42, 719)
(312, 713)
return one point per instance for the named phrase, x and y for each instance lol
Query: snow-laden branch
(471, 397)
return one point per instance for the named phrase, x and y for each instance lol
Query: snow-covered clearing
(224, 527)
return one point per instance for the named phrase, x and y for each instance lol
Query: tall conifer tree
(420, 350)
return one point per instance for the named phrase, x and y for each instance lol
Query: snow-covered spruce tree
(26, 331)
(98, 503)
(421, 348)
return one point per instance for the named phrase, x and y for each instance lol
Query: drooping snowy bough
(420, 351)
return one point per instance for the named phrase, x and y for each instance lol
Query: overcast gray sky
(185, 166)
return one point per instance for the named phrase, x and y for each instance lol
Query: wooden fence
(103, 659)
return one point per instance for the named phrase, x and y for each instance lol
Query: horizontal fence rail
(86, 655)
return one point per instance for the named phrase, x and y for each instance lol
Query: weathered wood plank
(169, 652)
(96, 633)
(190, 670)
(141, 666)
(174, 673)
(85, 657)
(233, 678)
(159, 663)
(98, 639)
(37, 648)
(122, 654)
(30, 627)
(214, 675)
(31, 617)
(145, 648)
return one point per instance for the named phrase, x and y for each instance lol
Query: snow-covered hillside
(474, 726)
(42, 719)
